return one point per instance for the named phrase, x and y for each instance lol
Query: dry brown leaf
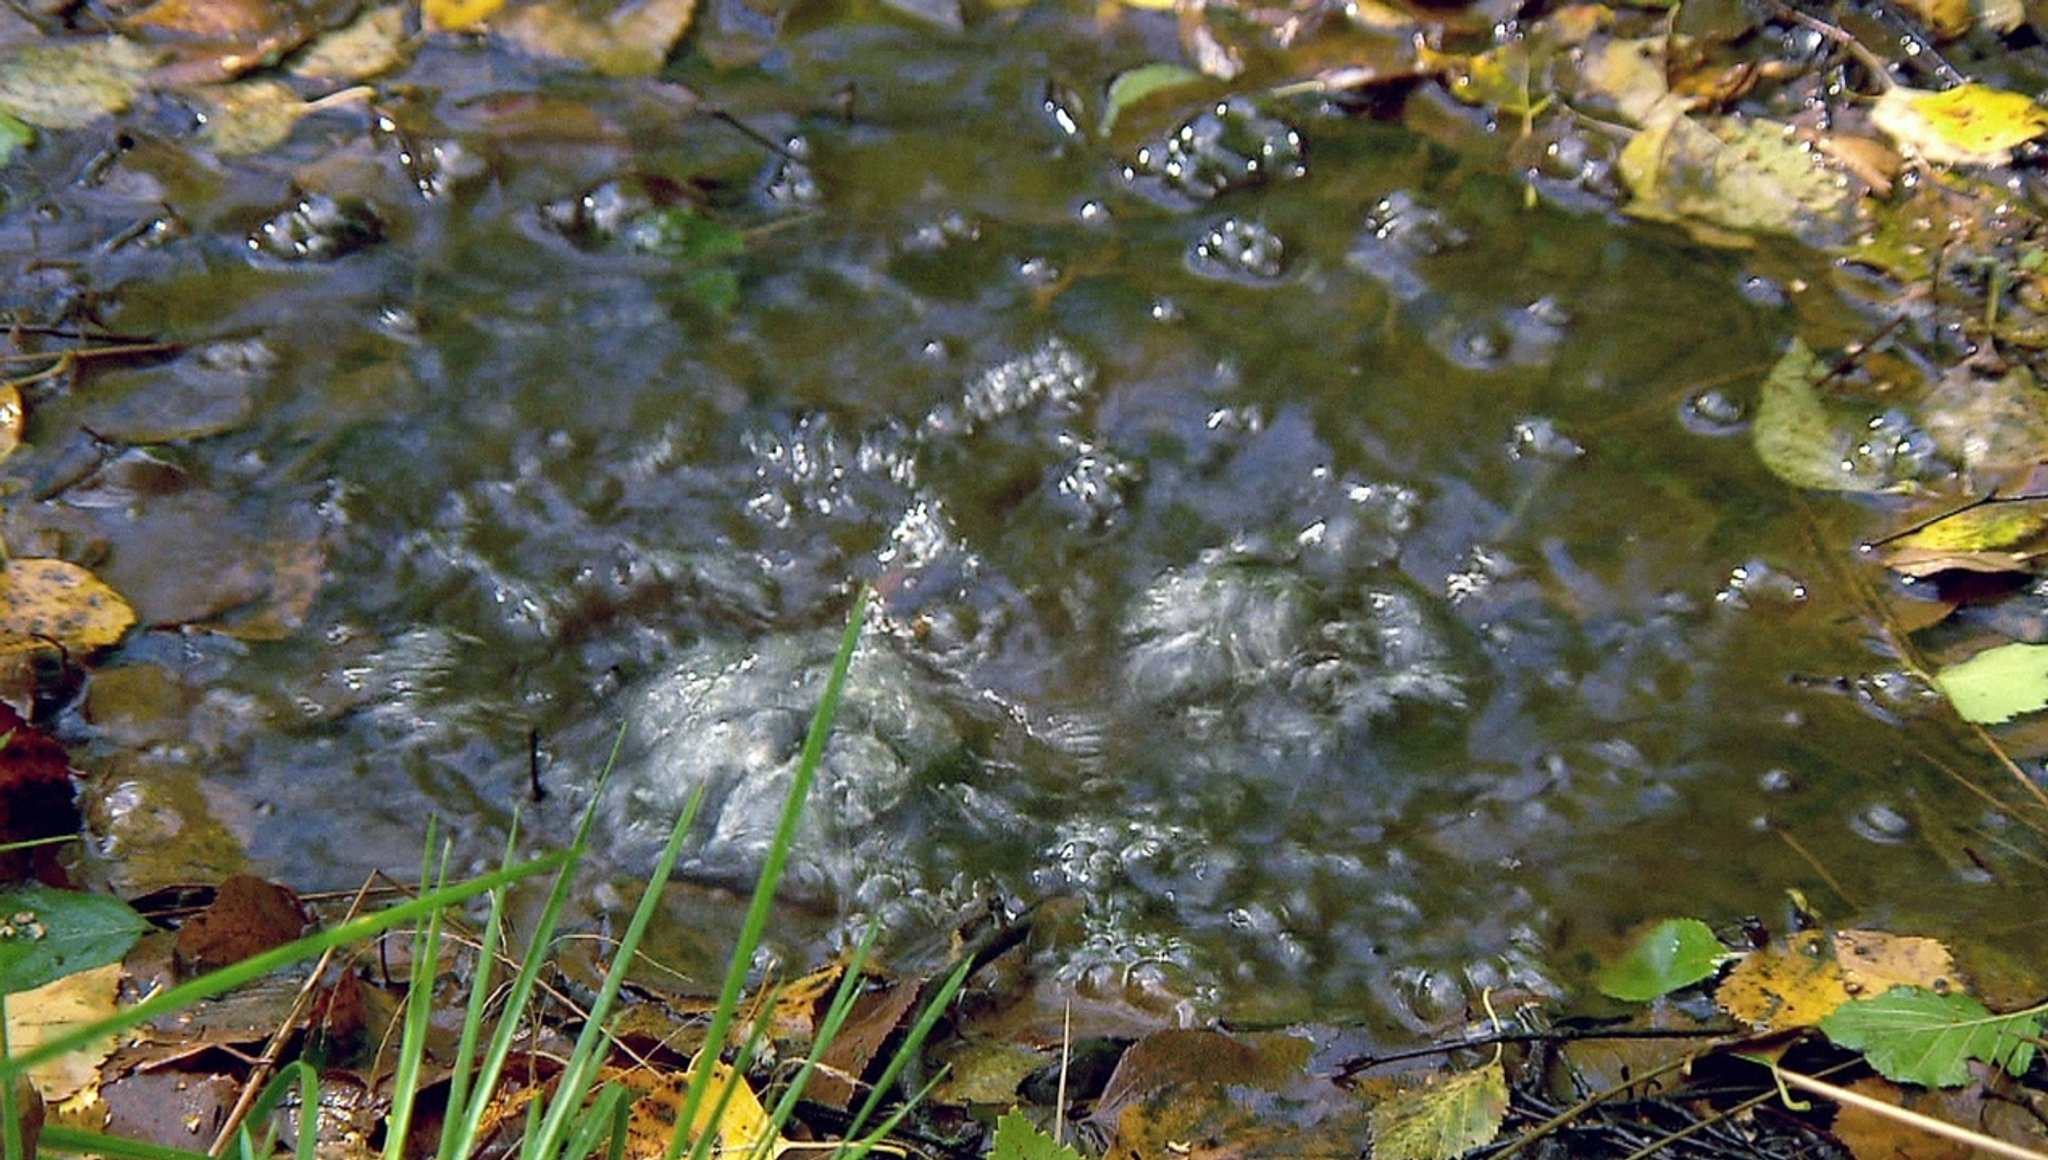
(45, 601)
(1795, 983)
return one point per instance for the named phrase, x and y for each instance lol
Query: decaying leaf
(1794, 983)
(70, 85)
(251, 116)
(1912, 1035)
(1798, 437)
(44, 601)
(1992, 420)
(371, 44)
(1997, 684)
(743, 1128)
(1967, 125)
(631, 39)
(57, 1008)
(1739, 174)
(1874, 961)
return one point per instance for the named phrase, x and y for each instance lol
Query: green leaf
(1797, 437)
(1997, 684)
(46, 934)
(1675, 953)
(1445, 1119)
(1134, 85)
(1018, 1139)
(1912, 1035)
(1733, 173)
(14, 134)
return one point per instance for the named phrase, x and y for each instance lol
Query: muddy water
(1347, 579)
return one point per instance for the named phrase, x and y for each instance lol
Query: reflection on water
(1350, 581)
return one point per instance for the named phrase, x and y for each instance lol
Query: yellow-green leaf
(1444, 1119)
(1998, 684)
(1797, 437)
(458, 15)
(1134, 85)
(1967, 125)
(70, 85)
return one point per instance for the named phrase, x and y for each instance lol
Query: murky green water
(1338, 581)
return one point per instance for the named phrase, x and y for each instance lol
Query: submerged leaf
(1448, 1118)
(1874, 961)
(1795, 435)
(1967, 125)
(1746, 175)
(633, 39)
(70, 85)
(1997, 684)
(1912, 1035)
(1673, 954)
(1134, 85)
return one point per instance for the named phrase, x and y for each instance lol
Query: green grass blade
(836, 1014)
(298, 1073)
(913, 1043)
(770, 878)
(459, 1137)
(588, 1056)
(65, 1141)
(455, 1115)
(419, 1003)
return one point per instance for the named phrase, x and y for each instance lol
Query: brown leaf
(248, 916)
(875, 1017)
(1874, 962)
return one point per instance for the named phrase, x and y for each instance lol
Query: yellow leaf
(45, 601)
(1967, 125)
(38, 1016)
(1795, 983)
(743, 1128)
(458, 15)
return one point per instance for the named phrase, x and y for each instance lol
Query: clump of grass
(583, 1115)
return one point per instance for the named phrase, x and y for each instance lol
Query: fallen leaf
(46, 934)
(1997, 684)
(249, 117)
(1874, 962)
(37, 800)
(1448, 1117)
(44, 601)
(627, 40)
(1912, 1035)
(458, 15)
(12, 414)
(1967, 125)
(1946, 19)
(1794, 983)
(248, 916)
(1133, 86)
(69, 85)
(1994, 537)
(1675, 953)
(1746, 175)
(1994, 421)
(373, 43)
(875, 1017)
(58, 1008)
(1796, 434)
